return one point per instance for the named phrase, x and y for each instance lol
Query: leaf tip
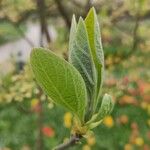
(74, 19)
(91, 13)
(80, 19)
(93, 9)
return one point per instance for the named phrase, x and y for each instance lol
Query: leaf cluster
(76, 84)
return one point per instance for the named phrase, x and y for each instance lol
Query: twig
(39, 142)
(135, 39)
(63, 12)
(135, 32)
(41, 10)
(72, 141)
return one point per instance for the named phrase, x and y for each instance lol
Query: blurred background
(28, 120)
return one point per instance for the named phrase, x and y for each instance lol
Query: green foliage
(63, 81)
(129, 123)
(60, 80)
(19, 129)
(106, 107)
(81, 58)
(94, 37)
(86, 55)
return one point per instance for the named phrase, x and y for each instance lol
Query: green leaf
(106, 107)
(80, 57)
(60, 80)
(94, 38)
(72, 34)
(95, 124)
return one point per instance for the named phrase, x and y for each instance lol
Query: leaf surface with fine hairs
(60, 80)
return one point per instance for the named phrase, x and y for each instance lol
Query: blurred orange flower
(34, 102)
(108, 121)
(139, 141)
(128, 147)
(35, 105)
(134, 126)
(146, 147)
(144, 87)
(48, 131)
(126, 99)
(91, 140)
(86, 147)
(146, 97)
(111, 82)
(133, 91)
(123, 119)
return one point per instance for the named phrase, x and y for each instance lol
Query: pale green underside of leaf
(93, 30)
(60, 80)
(80, 57)
(106, 107)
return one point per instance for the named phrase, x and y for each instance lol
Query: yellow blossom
(91, 140)
(148, 109)
(144, 105)
(68, 120)
(128, 147)
(148, 122)
(86, 147)
(34, 102)
(139, 141)
(108, 121)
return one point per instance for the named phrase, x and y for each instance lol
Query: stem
(39, 143)
(72, 141)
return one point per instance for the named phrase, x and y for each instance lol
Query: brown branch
(41, 7)
(63, 12)
(135, 32)
(72, 142)
(135, 39)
